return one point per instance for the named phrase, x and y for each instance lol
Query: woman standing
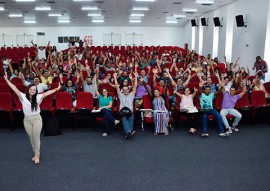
(161, 114)
(32, 119)
(105, 107)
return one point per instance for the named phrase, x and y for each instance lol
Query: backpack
(52, 128)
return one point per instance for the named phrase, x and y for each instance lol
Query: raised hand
(115, 75)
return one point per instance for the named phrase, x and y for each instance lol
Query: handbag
(125, 112)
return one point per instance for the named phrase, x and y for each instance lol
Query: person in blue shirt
(105, 107)
(206, 102)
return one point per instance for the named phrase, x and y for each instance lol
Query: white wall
(151, 35)
(247, 42)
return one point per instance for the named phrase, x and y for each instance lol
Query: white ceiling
(115, 12)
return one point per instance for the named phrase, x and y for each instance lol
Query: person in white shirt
(40, 86)
(32, 119)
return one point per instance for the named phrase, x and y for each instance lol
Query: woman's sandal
(37, 160)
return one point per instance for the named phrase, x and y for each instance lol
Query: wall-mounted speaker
(240, 21)
(193, 22)
(203, 22)
(217, 22)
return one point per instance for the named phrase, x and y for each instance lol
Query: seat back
(243, 101)
(258, 98)
(267, 87)
(63, 101)
(218, 100)
(47, 103)
(147, 102)
(4, 88)
(5, 101)
(85, 100)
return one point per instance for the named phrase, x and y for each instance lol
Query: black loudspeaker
(203, 22)
(240, 21)
(193, 23)
(217, 22)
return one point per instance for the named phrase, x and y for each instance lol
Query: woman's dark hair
(68, 81)
(34, 97)
(103, 90)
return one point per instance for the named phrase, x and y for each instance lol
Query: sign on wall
(88, 41)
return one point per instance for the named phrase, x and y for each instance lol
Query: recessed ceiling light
(55, 15)
(189, 10)
(94, 14)
(89, 8)
(15, 15)
(82, 0)
(171, 22)
(179, 16)
(63, 21)
(205, 1)
(135, 21)
(140, 8)
(97, 21)
(145, 0)
(2, 8)
(136, 14)
(25, 0)
(29, 21)
(43, 8)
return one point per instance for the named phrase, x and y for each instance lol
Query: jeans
(108, 118)
(172, 99)
(233, 112)
(128, 123)
(218, 118)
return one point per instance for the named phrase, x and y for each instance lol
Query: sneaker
(229, 130)
(104, 135)
(235, 129)
(223, 134)
(132, 133)
(128, 135)
(205, 135)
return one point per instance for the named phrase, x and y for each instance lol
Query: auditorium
(134, 95)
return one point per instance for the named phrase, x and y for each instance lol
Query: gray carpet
(83, 160)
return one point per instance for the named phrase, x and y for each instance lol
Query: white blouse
(26, 105)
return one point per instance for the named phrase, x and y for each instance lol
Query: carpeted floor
(83, 160)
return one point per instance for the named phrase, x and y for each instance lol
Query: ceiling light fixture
(140, 8)
(29, 21)
(2, 8)
(94, 14)
(135, 21)
(82, 0)
(179, 16)
(171, 22)
(63, 21)
(189, 10)
(25, 0)
(43, 8)
(97, 21)
(209, 2)
(54, 15)
(136, 14)
(145, 0)
(15, 15)
(89, 8)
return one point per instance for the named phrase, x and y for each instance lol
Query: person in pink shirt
(187, 105)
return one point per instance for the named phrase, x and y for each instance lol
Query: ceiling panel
(115, 12)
